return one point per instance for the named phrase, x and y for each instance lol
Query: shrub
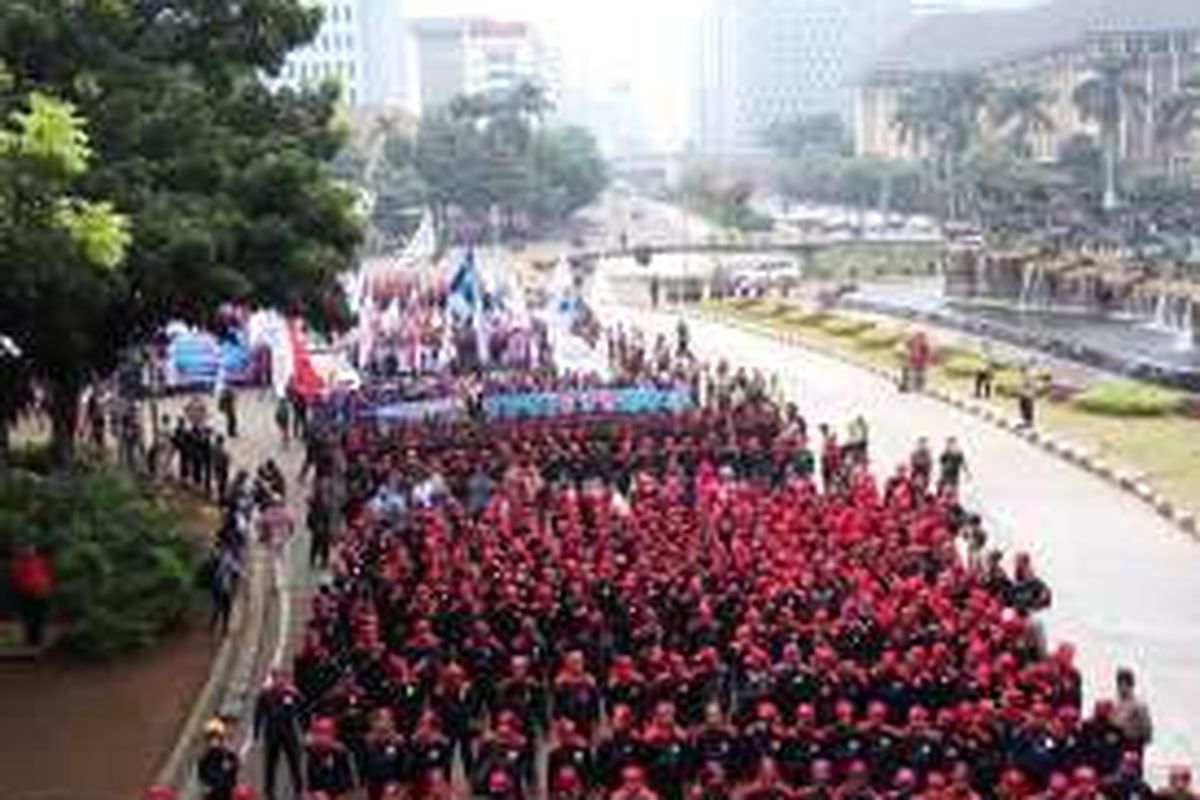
(125, 571)
(962, 364)
(808, 318)
(879, 338)
(1008, 382)
(846, 326)
(36, 458)
(744, 303)
(1130, 399)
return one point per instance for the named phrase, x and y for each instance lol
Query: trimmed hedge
(126, 573)
(808, 318)
(963, 364)
(1130, 399)
(744, 303)
(846, 326)
(1008, 382)
(880, 337)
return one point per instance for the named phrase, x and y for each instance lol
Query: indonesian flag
(306, 381)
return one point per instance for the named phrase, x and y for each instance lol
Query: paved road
(1127, 584)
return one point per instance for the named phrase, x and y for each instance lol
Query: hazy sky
(641, 42)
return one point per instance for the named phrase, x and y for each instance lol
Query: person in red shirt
(32, 578)
(919, 356)
(633, 786)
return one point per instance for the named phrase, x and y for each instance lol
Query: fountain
(1029, 271)
(1175, 312)
(1094, 307)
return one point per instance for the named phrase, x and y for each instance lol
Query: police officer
(277, 722)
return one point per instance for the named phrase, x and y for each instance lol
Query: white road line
(278, 568)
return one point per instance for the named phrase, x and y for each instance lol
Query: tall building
(614, 113)
(480, 56)
(362, 44)
(1051, 46)
(763, 62)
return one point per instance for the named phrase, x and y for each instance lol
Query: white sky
(604, 42)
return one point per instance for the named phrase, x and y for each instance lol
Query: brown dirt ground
(71, 731)
(75, 731)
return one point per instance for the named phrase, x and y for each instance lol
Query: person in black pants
(277, 722)
(1026, 397)
(181, 441)
(219, 766)
(220, 468)
(227, 404)
(320, 526)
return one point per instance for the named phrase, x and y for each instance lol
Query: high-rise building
(468, 56)
(614, 113)
(362, 44)
(764, 62)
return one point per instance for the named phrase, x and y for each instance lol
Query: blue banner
(197, 358)
(419, 410)
(589, 401)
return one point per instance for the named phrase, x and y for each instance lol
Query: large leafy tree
(225, 184)
(44, 152)
(494, 154)
(1107, 96)
(567, 160)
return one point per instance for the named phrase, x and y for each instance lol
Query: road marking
(278, 566)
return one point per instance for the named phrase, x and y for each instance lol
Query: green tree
(49, 236)
(942, 119)
(810, 135)
(226, 185)
(723, 199)
(384, 165)
(1177, 118)
(1107, 96)
(483, 154)
(1020, 113)
(572, 167)
(1081, 158)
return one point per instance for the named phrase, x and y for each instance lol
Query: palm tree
(1177, 117)
(917, 117)
(945, 116)
(1107, 96)
(1020, 113)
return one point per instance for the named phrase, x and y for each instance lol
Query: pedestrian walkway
(1127, 582)
(276, 616)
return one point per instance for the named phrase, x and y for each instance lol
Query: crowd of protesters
(687, 606)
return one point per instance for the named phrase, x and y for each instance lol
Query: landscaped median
(1153, 433)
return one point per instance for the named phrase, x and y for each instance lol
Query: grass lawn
(1164, 449)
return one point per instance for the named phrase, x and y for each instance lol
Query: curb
(232, 667)
(1129, 482)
